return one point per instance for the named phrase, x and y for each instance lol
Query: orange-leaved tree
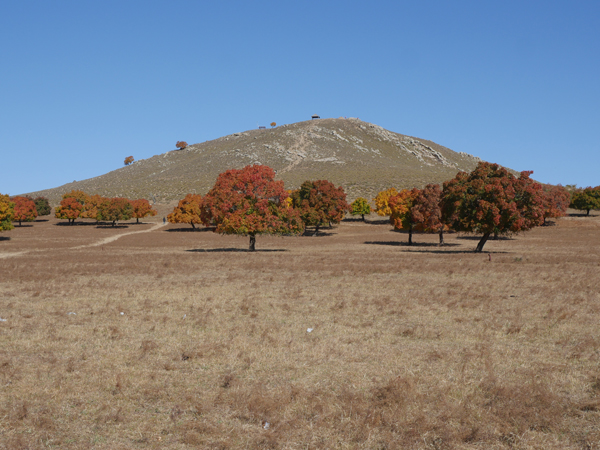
(181, 144)
(427, 211)
(273, 124)
(382, 200)
(7, 211)
(141, 209)
(90, 209)
(250, 202)
(320, 203)
(128, 160)
(401, 216)
(25, 210)
(490, 199)
(69, 209)
(188, 210)
(115, 209)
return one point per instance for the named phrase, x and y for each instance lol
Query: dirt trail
(95, 244)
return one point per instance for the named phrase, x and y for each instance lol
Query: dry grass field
(173, 339)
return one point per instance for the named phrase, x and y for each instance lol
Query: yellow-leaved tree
(382, 201)
(7, 212)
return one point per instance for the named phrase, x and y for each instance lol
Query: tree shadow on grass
(4, 238)
(78, 224)
(406, 244)
(190, 230)
(25, 225)
(41, 220)
(378, 222)
(581, 215)
(109, 226)
(491, 238)
(243, 250)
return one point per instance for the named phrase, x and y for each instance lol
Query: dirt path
(95, 244)
(118, 236)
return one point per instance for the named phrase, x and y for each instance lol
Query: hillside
(362, 157)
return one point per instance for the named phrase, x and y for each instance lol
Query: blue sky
(85, 84)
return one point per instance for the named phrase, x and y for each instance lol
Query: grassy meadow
(176, 339)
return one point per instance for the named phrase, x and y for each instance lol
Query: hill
(362, 157)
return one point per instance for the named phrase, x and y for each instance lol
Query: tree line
(490, 201)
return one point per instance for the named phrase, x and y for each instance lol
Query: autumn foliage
(382, 200)
(320, 203)
(69, 209)
(273, 124)
(249, 202)
(401, 216)
(25, 210)
(492, 200)
(141, 209)
(114, 210)
(360, 207)
(181, 144)
(188, 210)
(128, 160)
(556, 201)
(7, 211)
(427, 211)
(586, 199)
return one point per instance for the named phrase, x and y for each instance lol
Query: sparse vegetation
(451, 350)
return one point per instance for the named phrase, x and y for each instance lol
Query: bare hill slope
(362, 157)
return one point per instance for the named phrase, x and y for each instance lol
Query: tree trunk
(482, 242)
(193, 226)
(252, 243)
(442, 236)
(316, 230)
(19, 223)
(114, 222)
(363, 217)
(410, 234)
(588, 212)
(495, 235)
(137, 220)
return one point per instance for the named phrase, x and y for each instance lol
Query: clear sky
(84, 84)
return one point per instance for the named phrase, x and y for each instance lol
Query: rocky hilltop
(362, 157)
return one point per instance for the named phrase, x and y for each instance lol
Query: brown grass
(412, 347)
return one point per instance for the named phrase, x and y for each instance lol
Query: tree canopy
(320, 203)
(250, 202)
(586, 199)
(188, 210)
(7, 211)
(25, 210)
(360, 207)
(490, 199)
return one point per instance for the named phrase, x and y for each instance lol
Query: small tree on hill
(360, 207)
(188, 210)
(7, 211)
(128, 160)
(382, 200)
(320, 203)
(250, 202)
(273, 124)
(181, 145)
(492, 200)
(586, 199)
(141, 209)
(401, 216)
(115, 209)
(24, 210)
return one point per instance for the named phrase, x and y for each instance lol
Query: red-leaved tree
(427, 211)
(25, 210)
(250, 202)
(320, 203)
(181, 144)
(490, 199)
(556, 201)
(141, 209)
